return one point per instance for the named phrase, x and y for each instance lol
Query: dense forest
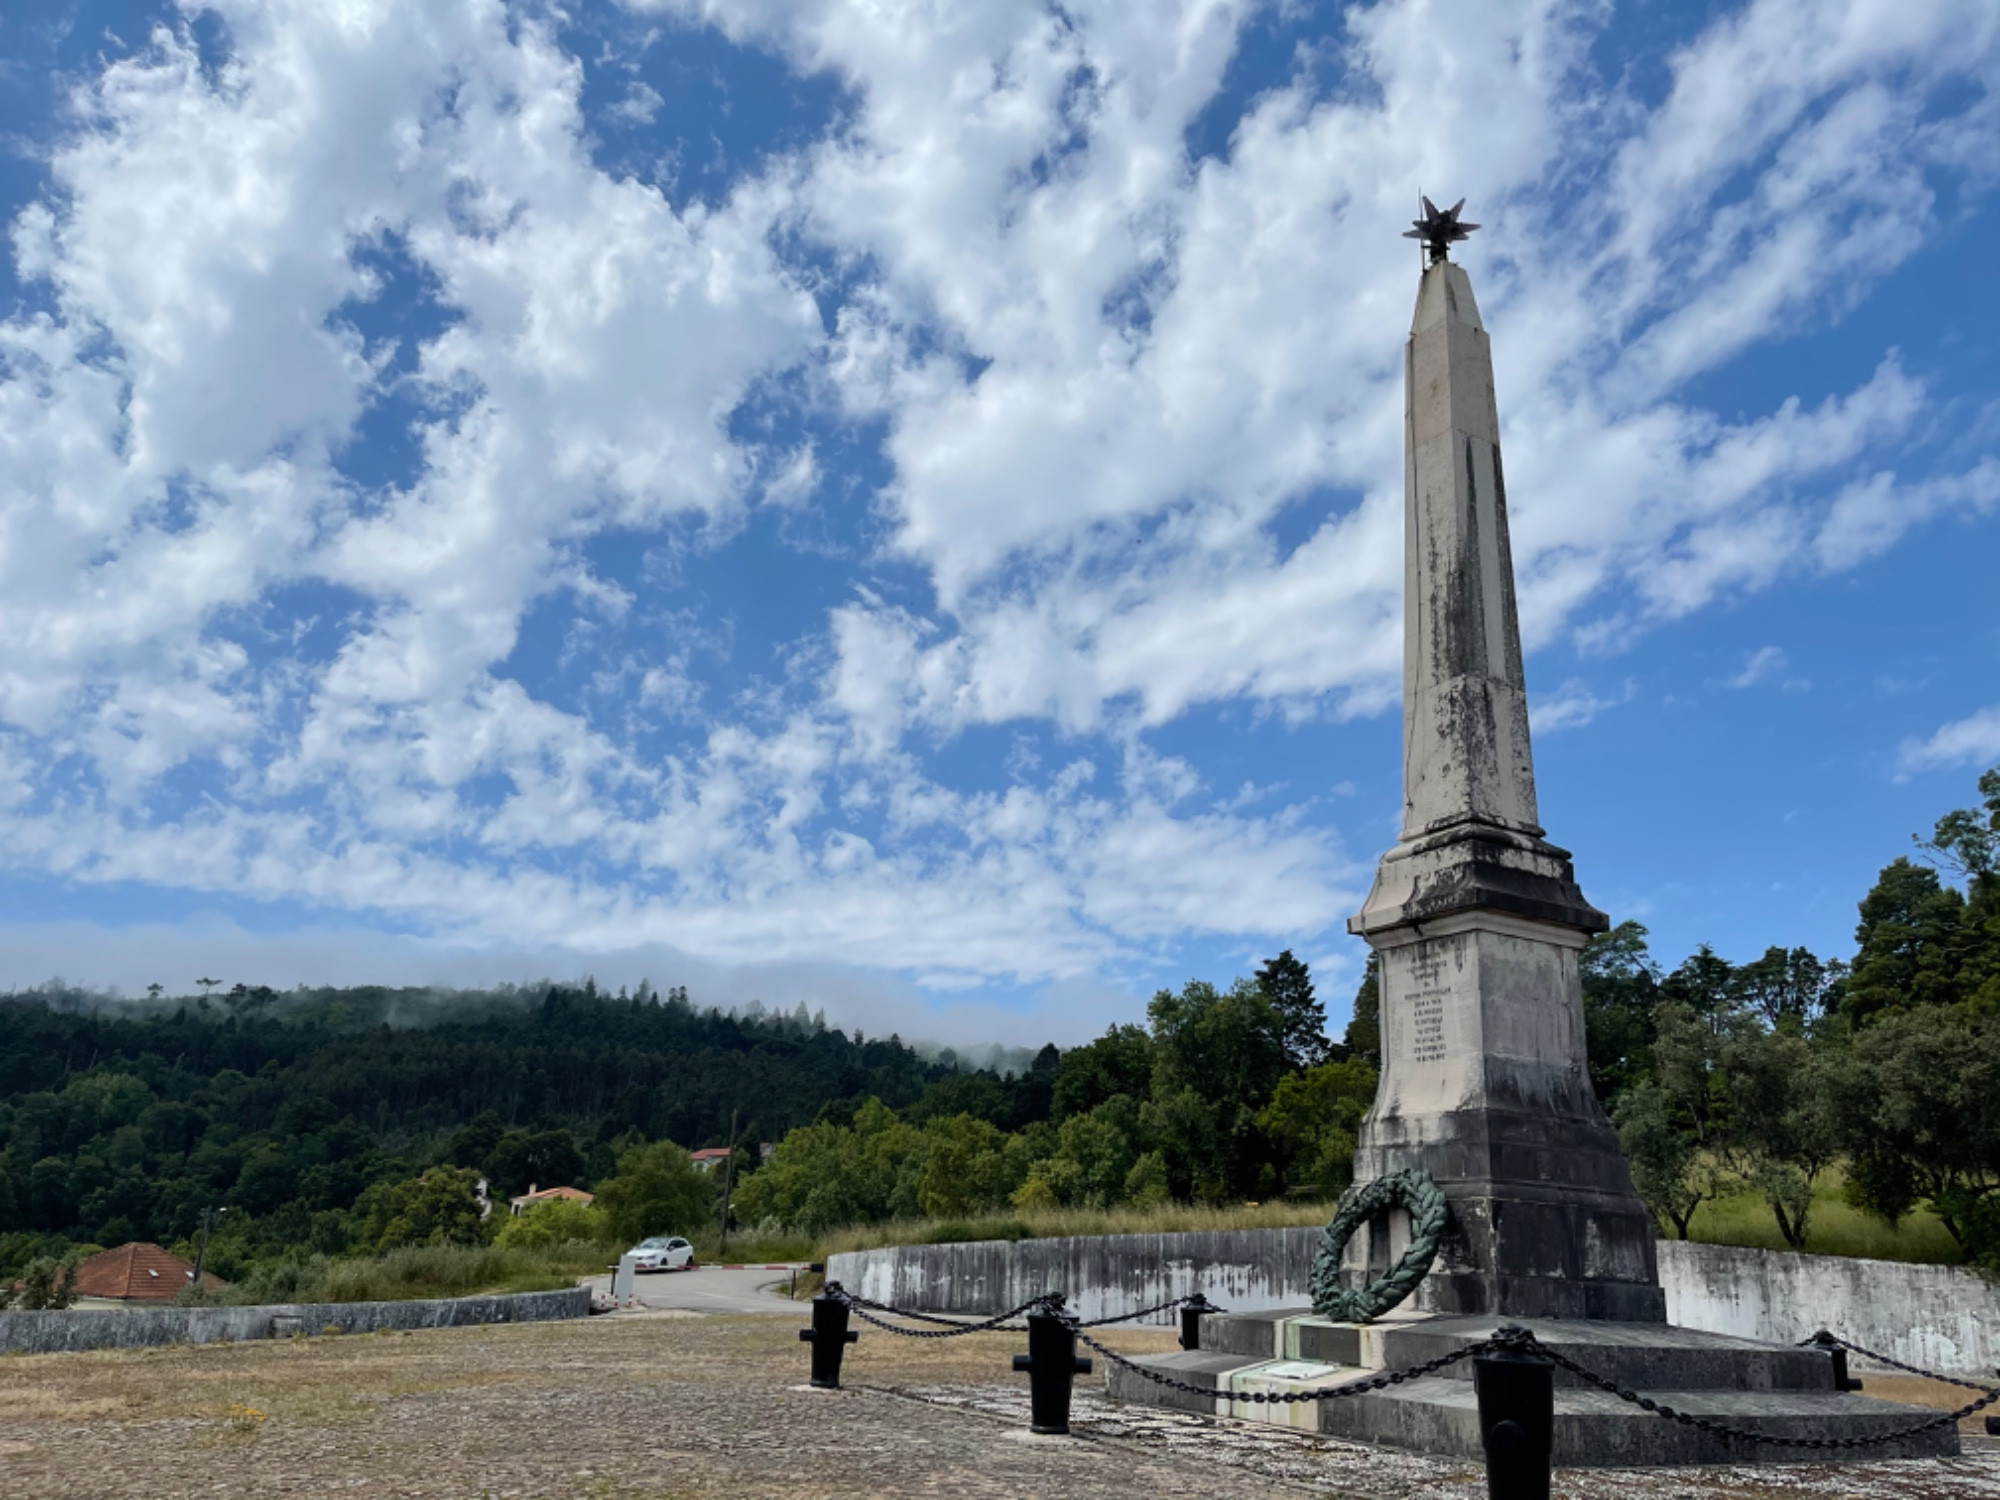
(289, 1110)
(320, 1127)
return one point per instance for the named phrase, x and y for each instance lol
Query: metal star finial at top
(1439, 229)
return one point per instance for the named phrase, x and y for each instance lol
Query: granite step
(1647, 1356)
(1772, 1389)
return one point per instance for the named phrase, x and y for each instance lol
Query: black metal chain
(860, 1307)
(1723, 1429)
(1380, 1382)
(1143, 1312)
(1816, 1342)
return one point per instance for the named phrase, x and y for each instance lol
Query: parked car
(663, 1253)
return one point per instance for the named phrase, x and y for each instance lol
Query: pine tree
(1287, 984)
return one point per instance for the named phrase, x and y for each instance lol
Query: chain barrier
(1723, 1429)
(1380, 1382)
(865, 1310)
(1883, 1359)
(1521, 1340)
(1144, 1312)
(1510, 1339)
(862, 1307)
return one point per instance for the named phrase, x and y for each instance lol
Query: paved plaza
(653, 1405)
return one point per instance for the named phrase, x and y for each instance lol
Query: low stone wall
(1943, 1318)
(136, 1327)
(1243, 1270)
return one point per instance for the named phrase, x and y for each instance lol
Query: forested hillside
(288, 1109)
(322, 1128)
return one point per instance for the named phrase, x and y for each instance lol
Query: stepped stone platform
(1775, 1389)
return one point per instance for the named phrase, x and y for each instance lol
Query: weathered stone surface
(1476, 917)
(1776, 1390)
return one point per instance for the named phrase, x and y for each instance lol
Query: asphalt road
(711, 1289)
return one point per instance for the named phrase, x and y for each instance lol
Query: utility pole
(728, 1175)
(201, 1250)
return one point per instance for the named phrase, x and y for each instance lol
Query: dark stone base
(1772, 1389)
(1544, 1221)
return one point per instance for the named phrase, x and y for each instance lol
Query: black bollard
(1051, 1364)
(829, 1337)
(1192, 1312)
(1516, 1387)
(1825, 1340)
(1993, 1426)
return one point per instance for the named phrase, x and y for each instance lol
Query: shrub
(960, 1232)
(560, 1221)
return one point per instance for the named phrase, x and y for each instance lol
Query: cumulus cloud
(1107, 378)
(1971, 741)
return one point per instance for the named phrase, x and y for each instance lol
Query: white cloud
(1105, 373)
(1762, 665)
(1971, 741)
(1572, 706)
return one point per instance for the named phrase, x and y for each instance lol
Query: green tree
(1926, 1127)
(1287, 983)
(1621, 987)
(522, 1159)
(1786, 1100)
(1364, 1030)
(1788, 988)
(1673, 1123)
(1146, 1184)
(1183, 1129)
(1968, 839)
(966, 1170)
(1313, 1119)
(48, 1284)
(1909, 943)
(657, 1190)
(1967, 842)
(1119, 1062)
(1227, 1048)
(440, 1207)
(556, 1221)
(1705, 985)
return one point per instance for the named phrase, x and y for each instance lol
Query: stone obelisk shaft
(1475, 916)
(1465, 705)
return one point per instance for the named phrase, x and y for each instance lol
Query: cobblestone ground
(656, 1406)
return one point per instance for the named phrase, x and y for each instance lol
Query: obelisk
(1475, 916)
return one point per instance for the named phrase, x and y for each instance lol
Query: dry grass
(1164, 1218)
(1835, 1227)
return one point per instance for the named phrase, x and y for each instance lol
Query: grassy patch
(421, 1271)
(1164, 1218)
(1835, 1227)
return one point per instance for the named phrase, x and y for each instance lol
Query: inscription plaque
(1429, 995)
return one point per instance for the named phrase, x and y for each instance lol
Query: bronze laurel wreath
(1414, 1190)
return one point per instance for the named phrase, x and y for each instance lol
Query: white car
(663, 1253)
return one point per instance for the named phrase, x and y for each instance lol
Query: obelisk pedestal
(1476, 917)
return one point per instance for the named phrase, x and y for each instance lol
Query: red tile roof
(577, 1195)
(709, 1153)
(138, 1272)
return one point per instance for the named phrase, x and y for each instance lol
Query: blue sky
(900, 506)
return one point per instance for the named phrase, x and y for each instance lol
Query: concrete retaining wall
(135, 1327)
(1943, 1318)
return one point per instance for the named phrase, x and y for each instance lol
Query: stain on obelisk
(1475, 915)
